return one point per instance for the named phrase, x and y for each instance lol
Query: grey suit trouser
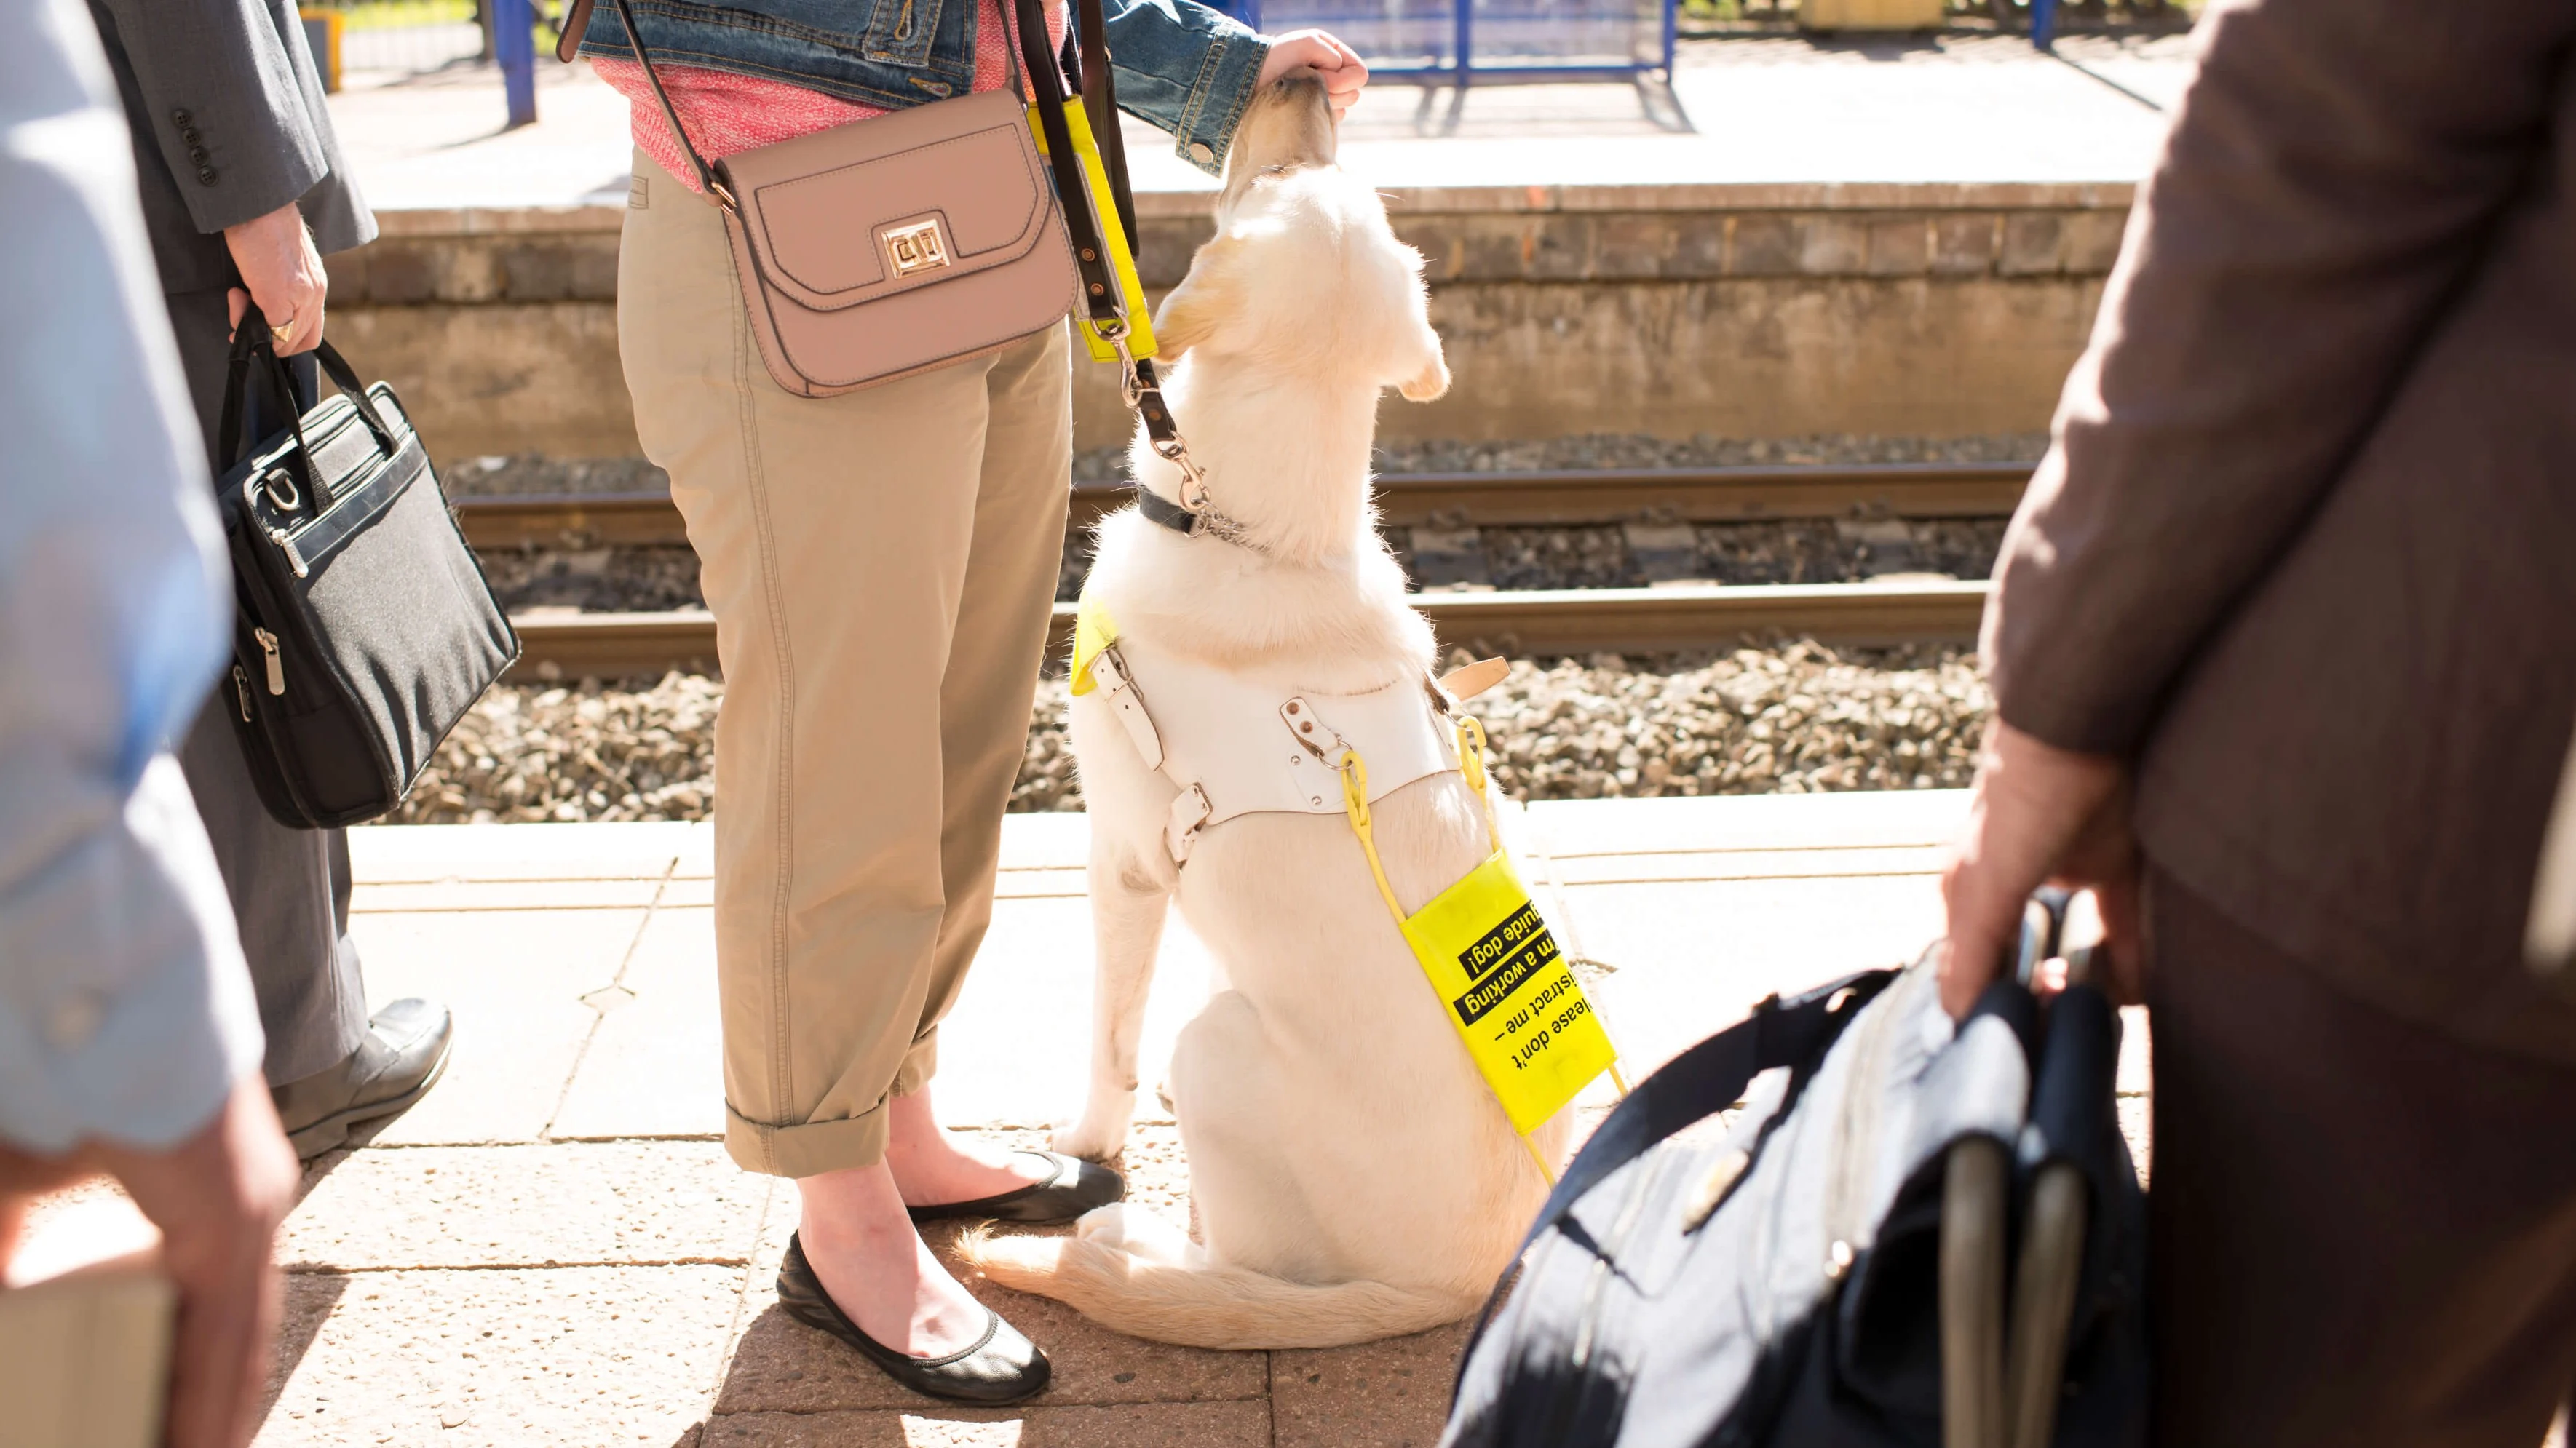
(289, 887)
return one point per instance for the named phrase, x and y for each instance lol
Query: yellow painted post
(322, 36)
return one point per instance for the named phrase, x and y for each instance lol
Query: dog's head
(1304, 276)
(1287, 127)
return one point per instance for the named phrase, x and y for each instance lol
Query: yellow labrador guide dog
(1259, 734)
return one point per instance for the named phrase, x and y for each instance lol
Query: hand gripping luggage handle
(1696, 1084)
(251, 344)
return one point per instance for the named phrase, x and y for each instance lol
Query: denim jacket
(1179, 65)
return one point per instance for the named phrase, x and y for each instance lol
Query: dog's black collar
(1206, 523)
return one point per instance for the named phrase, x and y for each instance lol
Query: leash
(1116, 314)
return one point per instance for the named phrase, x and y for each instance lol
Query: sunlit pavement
(1739, 112)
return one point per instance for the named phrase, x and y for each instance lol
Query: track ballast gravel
(533, 473)
(1794, 719)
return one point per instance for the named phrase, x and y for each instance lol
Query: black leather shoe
(403, 1055)
(1002, 1366)
(1071, 1187)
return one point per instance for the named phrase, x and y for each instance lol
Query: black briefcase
(1911, 1237)
(365, 628)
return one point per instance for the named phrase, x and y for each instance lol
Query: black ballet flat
(1002, 1367)
(1071, 1189)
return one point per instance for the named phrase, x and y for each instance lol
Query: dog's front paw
(1430, 383)
(1098, 1136)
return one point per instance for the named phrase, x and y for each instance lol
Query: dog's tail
(1205, 1305)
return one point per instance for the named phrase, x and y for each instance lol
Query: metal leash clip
(1146, 399)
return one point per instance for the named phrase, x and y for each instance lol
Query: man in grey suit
(242, 191)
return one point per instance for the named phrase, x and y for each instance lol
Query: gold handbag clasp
(916, 247)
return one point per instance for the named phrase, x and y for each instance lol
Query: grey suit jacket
(229, 124)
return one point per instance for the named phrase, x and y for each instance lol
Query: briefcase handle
(253, 346)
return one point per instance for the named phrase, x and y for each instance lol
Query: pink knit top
(728, 113)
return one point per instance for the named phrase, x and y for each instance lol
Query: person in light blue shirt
(130, 1041)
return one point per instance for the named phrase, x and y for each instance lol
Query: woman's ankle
(933, 1166)
(871, 1261)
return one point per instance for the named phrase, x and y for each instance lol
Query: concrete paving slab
(1017, 1048)
(557, 1205)
(1043, 857)
(1685, 866)
(1055, 841)
(417, 854)
(581, 1355)
(1861, 820)
(1948, 109)
(515, 980)
(1061, 884)
(655, 1066)
(1243, 1424)
(452, 896)
(1693, 958)
(1391, 1394)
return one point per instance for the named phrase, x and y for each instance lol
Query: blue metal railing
(1467, 42)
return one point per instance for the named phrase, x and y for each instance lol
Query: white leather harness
(1237, 747)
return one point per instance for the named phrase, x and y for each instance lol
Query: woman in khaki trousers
(881, 566)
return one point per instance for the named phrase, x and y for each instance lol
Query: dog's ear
(1202, 304)
(1432, 380)
(1430, 383)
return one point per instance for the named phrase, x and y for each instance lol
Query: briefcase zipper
(276, 661)
(286, 545)
(241, 692)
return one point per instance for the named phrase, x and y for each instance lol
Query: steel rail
(1672, 619)
(1405, 500)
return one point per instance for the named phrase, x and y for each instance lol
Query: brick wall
(1757, 311)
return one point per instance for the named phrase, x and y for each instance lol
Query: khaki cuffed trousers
(881, 566)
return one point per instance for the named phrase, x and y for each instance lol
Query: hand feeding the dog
(1353, 1174)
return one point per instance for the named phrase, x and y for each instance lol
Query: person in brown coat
(2283, 646)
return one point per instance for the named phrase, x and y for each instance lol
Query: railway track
(1669, 617)
(1405, 500)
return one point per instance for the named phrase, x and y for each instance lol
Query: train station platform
(1965, 109)
(553, 1248)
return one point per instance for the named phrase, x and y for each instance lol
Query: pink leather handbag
(894, 245)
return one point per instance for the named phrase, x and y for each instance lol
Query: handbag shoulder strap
(1030, 58)
(1698, 1083)
(708, 181)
